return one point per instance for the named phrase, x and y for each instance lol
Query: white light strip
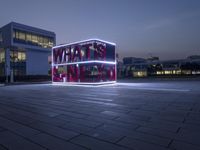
(79, 42)
(86, 62)
(85, 84)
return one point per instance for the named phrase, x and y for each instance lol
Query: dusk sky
(169, 29)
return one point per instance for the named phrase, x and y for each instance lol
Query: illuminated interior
(32, 39)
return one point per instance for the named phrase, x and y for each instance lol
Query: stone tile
(19, 118)
(2, 147)
(189, 137)
(157, 132)
(172, 118)
(164, 125)
(136, 135)
(76, 128)
(53, 130)
(1, 129)
(180, 145)
(17, 128)
(84, 122)
(140, 145)
(75, 115)
(131, 116)
(93, 143)
(131, 120)
(106, 136)
(191, 127)
(54, 143)
(15, 142)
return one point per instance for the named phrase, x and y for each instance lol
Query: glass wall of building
(18, 62)
(1, 37)
(32, 39)
(2, 62)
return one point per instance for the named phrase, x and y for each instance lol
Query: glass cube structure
(85, 62)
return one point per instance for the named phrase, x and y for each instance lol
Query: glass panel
(18, 64)
(23, 56)
(1, 37)
(28, 37)
(32, 39)
(22, 36)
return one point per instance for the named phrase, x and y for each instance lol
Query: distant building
(153, 58)
(194, 57)
(132, 60)
(24, 50)
(140, 67)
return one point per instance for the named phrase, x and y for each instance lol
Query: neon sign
(86, 61)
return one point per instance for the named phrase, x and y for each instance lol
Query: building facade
(140, 67)
(24, 50)
(89, 61)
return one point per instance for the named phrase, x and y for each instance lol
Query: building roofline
(29, 27)
(88, 40)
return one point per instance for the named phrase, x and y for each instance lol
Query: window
(23, 56)
(2, 62)
(1, 37)
(22, 36)
(2, 56)
(18, 62)
(32, 39)
(28, 37)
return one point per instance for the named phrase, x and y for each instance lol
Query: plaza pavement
(163, 115)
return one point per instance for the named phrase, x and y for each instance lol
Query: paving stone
(3, 147)
(136, 135)
(106, 136)
(54, 143)
(189, 137)
(1, 129)
(34, 117)
(75, 115)
(84, 122)
(157, 132)
(180, 145)
(17, 128)
(93, 143)
(19, 118)
(131, 120)
(53, 130)
(111, 117)
(172, 118)
(163, 125)
(16, 142)
(190, 127)
(76, 128)
(140, 145)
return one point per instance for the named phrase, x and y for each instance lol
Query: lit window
(28, 37)
(2, 55)
(23, 56)
(40, 40)
(1, 37)
(22, 36)
(34, 39)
